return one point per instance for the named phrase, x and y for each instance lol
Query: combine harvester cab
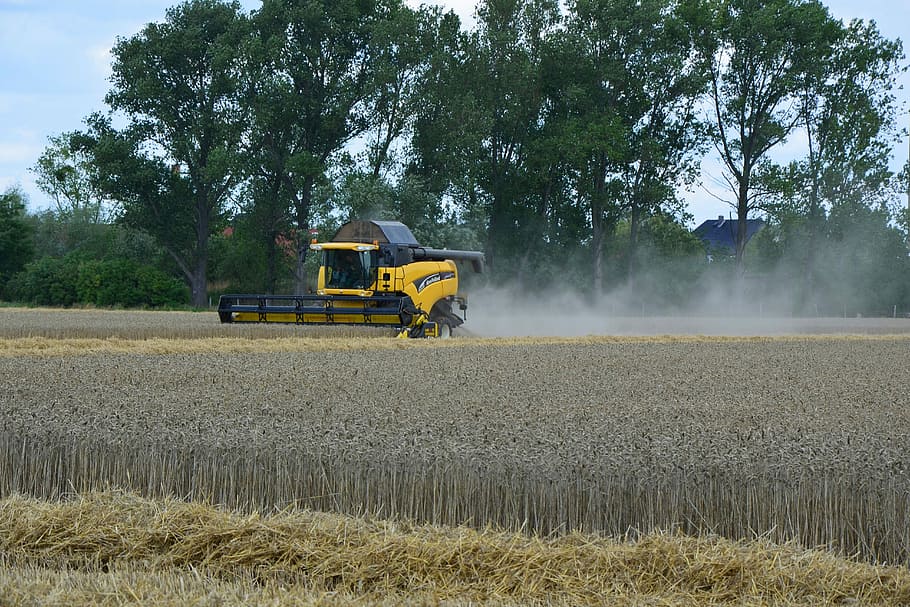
(372, 273)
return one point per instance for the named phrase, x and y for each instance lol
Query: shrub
(47, 281)
(71, 280)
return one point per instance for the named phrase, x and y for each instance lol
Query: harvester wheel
(442, 315)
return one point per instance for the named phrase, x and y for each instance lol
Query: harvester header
(371, 273)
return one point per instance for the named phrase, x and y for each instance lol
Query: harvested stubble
(113, 548)
(795, 438)
(138, 324)
(142, 325)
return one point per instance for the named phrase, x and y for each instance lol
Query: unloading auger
(372, 273)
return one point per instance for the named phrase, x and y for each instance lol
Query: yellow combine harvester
(372, 273)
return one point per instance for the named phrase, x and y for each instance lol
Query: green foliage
(865, 266)
(156, 199)
(317, 75)
(59, 235)
(16, 235)
(480, 117)
(760, 54)
(72, 280)
(860, 263)
(177, 83)
(556, 140)
(66, 173)
(669, 261)
(48, 281)
(239, 261)
(669, 238)
(126, 283)
(830, 209)
(83, 262)
(362, 196)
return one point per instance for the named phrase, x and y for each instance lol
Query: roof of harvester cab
(392, 232)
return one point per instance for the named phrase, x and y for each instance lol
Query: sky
(55, 64)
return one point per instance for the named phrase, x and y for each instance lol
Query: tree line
(561, 140)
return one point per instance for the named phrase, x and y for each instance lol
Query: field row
(799, 438)
(491, 315)
(839, 406)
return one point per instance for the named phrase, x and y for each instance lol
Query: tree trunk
(272, 226)
(302, 207)
(597, 231)
(597, 250)
(490, 249)
(271, 262)
(199, 278)
(499, 220)
(199, 285)
(808, 279)
(634, 229)
(808, 282)
(742, 215)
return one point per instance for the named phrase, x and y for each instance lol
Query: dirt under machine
(371, 273)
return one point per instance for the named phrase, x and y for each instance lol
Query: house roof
(393, 232)
(720, 234)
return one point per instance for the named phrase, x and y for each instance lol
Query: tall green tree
(441, 137)
(628, 109)
(155, 197)
(66, 174)
(482, 112)
(864, 264)
(404, 43)
(16, 245)
(593, 110)
(847, 112)
(759, 54)
(666, 139)
(315, 68)
(176, 84)
(505, 67)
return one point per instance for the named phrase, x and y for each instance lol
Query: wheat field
(745, 444)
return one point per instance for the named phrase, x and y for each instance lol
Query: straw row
(294, 553)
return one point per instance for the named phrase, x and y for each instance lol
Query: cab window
(350, 269)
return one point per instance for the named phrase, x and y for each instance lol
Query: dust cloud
(511, 313)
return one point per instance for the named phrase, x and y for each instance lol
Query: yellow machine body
(401, 285)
